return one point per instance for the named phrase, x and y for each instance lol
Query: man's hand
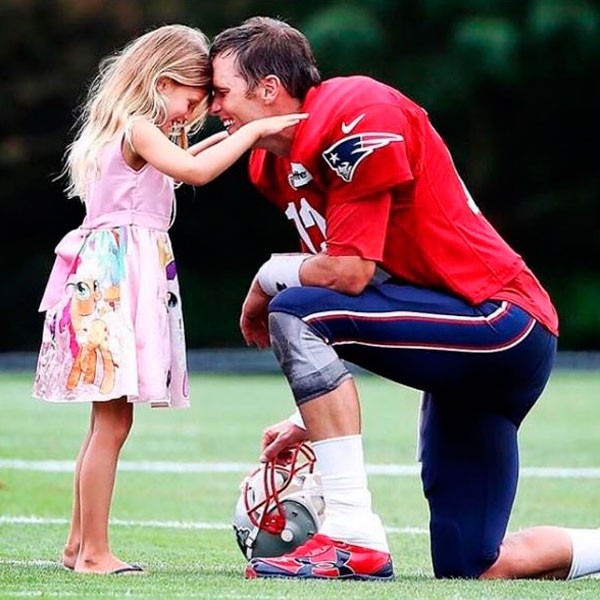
(254, 319)
(279, 438)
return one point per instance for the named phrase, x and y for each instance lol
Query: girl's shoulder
(118, 154)
(112, 147)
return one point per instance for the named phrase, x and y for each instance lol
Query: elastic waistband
(127, 217)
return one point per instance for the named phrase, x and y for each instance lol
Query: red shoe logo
(321, 566)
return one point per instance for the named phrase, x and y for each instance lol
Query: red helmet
(280, 505)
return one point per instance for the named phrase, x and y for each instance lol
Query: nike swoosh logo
(346, 129)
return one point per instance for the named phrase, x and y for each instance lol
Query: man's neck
(281, 143)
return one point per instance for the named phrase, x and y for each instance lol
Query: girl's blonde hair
(125, 88)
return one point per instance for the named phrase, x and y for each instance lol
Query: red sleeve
(358, 227)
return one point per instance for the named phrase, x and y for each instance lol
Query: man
(403, 276)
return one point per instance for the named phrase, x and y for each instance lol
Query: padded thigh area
(494, 352)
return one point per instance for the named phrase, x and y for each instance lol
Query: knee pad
(310, 365)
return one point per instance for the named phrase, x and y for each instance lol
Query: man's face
(232, 102)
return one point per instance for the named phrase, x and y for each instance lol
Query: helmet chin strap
(250, 541)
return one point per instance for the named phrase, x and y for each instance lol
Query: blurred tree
(509, 85)
(49, 51)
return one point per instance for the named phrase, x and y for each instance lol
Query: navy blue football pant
(481, 367)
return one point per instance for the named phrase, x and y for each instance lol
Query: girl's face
(181, 102)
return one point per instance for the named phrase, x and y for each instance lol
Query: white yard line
(45, 593)
(33, 520)
(392, 470)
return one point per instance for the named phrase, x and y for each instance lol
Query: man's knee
(455, 555)
(299, 300)
(311, 366)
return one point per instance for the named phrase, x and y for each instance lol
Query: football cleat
(323, 558)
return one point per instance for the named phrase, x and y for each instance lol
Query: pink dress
(113, 326)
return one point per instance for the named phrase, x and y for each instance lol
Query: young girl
(113, 332)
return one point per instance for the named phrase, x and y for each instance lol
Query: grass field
(179, 481)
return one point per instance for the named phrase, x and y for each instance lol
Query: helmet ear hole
(280, 506)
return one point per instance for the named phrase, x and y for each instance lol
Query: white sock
(348, 513)
(586, 552)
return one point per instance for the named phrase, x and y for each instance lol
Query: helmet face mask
(280, 506)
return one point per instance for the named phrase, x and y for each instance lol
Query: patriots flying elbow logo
(346, 154)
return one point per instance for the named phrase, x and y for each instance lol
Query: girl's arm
(211, 140)
(154, 147)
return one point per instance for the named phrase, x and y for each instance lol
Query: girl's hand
(271, 125)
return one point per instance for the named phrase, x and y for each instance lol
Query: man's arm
(347, 274)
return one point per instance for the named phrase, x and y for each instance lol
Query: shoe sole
(252, 574)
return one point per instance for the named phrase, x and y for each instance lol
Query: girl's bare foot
(69, 556)
(106, 564)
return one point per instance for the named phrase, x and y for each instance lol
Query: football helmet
(280, 505)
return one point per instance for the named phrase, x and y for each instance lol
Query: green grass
(224, 425)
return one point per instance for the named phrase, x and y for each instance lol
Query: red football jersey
(368, 175)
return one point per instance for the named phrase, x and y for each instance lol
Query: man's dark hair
(264, 46)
